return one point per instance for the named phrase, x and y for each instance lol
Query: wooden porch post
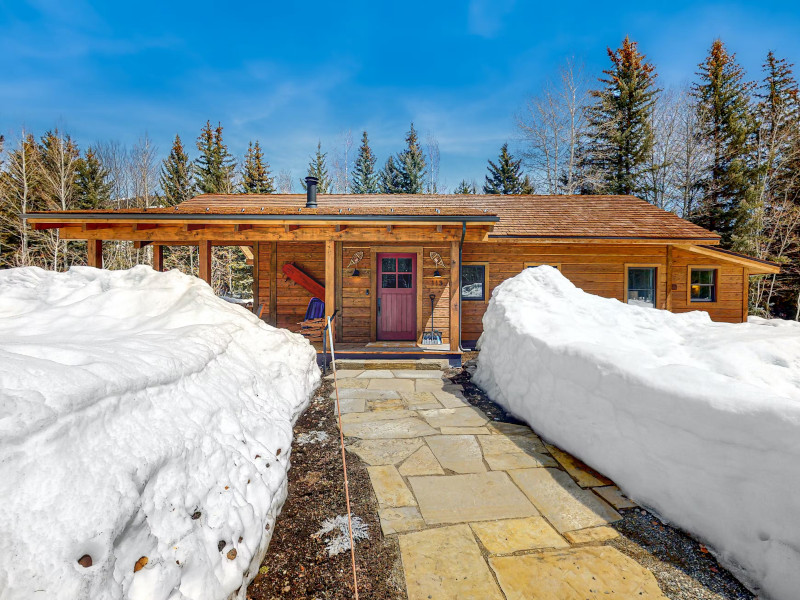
(455, 289)
(330, 278)
(273, 284)
(205, 261)
(158, 257)
(256, 293)
(95, 248)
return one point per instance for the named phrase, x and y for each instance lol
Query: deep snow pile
(698, 420)
(140, 416)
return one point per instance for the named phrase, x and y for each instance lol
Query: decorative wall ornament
(357, 256)
(437, 260)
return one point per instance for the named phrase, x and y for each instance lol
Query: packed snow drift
(698, 420)
(145, 429)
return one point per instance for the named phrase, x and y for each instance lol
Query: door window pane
(404, 265)
(404, 280)
(388, 265)
(473, 282)
(642, 286)
(388, 281)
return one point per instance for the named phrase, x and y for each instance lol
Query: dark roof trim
(604, 237)
(53, 216)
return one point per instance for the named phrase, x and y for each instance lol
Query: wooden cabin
(378, 259)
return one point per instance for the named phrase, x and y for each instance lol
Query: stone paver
(591, 535)
(393, 404)
(614, 496)
(464, 431)
(376, 374)
(566, 505)
(510, 428)
(514, 535)
(410, 427)
(396, 385)
(450, 399)
(400, 520)
(583, 474)
(385, 452)
(459, 453)
(472, 497)
(437, 385)
(389, 487)
(417, 374)
(366, 394)
(509, 444)
(454, 417)
(574, 574)
(446, 564)
(382, 415)
(345, 374)
(422, 462)
(349, 405)
(518, 460)
(351, 383)
(421, 400)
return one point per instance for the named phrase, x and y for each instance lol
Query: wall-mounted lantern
(437, 260)
(357, 256)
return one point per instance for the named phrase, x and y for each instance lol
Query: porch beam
(273, 284)
(95, 250)
(455, 288)
(330, 278)
(144, 226)
(205, 261)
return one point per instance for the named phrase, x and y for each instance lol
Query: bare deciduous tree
(143, 172)
(433, 158)
(553, 126)
(341, 163)
(284, 182)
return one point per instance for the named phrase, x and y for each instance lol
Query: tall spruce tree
(620, 122)
(318, 168)
(506, 177)
(176, 177)
(464, 187)
(723, 104)
(411, 165)
(390, 182)
(215, 167)
(256, 177)
(365, 179)
(92, 187)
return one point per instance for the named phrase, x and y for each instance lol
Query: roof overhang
(754, 265)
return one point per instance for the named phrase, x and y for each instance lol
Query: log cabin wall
(732, 285)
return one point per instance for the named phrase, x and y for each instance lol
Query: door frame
(373, 286)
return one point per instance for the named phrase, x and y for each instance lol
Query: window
(529, 265)
(396, 273)
(703, 285)
(641, 286)
(473, 281)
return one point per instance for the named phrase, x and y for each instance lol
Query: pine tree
(505, 177)
(318, 168)
(411, 165)
(176, 175)
(465, 188)
(723, 104)
(621, 134)
(365, 179)
(93, 190)
(256, 178)
(215, 167)
(390, 179)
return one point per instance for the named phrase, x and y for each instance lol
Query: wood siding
(731, 295)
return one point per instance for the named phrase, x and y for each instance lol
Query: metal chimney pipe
(311, 192)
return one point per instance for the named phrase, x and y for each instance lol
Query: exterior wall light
(437, 260)
(357, 256)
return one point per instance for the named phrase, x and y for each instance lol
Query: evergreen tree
(621, 134)
(365, 179)
(723, 104)
(92, 188)
(505, 177)
(465, 188)
(215, 167)
(176, 175)
(411, 165)
(319, 169)
(256, 178)
(390, 179)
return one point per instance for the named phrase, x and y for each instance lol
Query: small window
(642, 286)
(703, 286)
(473, 282)
(530, 265)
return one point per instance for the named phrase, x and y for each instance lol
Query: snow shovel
(432, 336)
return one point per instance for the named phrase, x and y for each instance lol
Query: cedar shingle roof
(520, 216)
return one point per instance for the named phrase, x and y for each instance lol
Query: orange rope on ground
(344, 462)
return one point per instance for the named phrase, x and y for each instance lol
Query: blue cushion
(315, 310)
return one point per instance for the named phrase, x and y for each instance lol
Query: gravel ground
(683, 567)
(297, 564)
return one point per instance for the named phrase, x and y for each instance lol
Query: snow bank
(140, 416)
(698, 420)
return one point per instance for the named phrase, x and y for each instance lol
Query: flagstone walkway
(482, 510)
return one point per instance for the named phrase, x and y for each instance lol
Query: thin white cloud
(485, 17)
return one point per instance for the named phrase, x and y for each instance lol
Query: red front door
(397, 296)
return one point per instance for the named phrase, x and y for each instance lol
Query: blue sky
(289, 74)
